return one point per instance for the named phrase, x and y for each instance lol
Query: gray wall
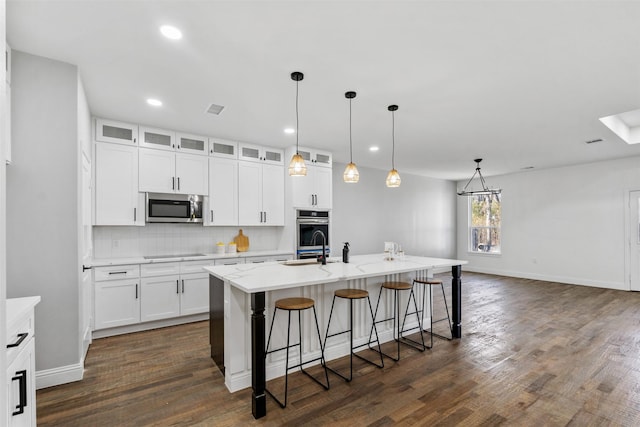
(420, 214)
(42, 231)
(563, 224)
(3, 259)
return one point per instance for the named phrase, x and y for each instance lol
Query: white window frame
(471, 229)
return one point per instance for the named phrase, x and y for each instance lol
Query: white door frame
(630, 229)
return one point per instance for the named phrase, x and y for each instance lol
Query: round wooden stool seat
(351, 293)
(296, 303)
(428, 281)
(399, 286)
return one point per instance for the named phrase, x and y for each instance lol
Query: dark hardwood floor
(532, 354)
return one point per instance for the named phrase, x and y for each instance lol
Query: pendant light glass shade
(393, 178)
(297, 166)
(351, 175)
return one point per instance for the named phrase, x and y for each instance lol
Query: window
(484, 223)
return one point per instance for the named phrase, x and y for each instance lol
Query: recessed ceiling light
(171, 32)
(374, 148)
(289, 130)
(154, 102)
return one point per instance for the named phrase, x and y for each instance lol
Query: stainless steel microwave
(174, 208)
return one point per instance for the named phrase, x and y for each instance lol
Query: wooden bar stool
(296, 304)
(397, 331)
(429, 283)
(351, 295)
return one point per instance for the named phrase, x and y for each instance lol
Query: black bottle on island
(345, 252)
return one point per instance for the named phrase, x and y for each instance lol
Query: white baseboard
(621, 286)
(57, 376)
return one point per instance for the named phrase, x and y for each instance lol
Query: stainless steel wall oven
(307, 223)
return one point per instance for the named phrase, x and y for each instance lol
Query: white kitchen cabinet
(260, 194)
(315, 189)
(222, 204)
(194, 296)
(268, 258)
(222, 148)
(169, 172)
(116, 132)
(117, 296)
(117, 201)
(228, 261)
(193, 144)
(160, 297)
(257, 153)
(174, 289)
(20, 386)
(159, 139)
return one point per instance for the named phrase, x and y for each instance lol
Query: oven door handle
(313, 221)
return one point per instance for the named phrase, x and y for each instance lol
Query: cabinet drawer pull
(21, 337)
(117, 272)
(21, 376)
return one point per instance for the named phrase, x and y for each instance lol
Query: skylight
(625, 125)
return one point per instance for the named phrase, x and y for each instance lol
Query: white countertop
(271, 276)
(16, 307)
(102, 262)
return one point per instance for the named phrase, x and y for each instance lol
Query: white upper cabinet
(168, 172)
(315, 190)
(117, 201)
(117, 132)
(257, 153)
(260, 194)
(194, 144)
(222, 148)
(157, 138)
(222, 206)
(316, 157)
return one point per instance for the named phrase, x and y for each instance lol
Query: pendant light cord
(297, 117)
(350, 142)
(393, 139)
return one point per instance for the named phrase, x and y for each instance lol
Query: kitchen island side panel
(216, 320)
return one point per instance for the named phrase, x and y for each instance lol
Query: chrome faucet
(324, 244)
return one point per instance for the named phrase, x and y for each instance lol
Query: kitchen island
(240, 293)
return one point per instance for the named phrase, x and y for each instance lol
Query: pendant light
(297, 166)
(393, 178)
(351, 174)
(484, 190)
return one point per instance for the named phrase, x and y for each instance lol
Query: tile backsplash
(168, 239)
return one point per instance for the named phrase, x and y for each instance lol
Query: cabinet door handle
(183, 286)
(136, 291)
(178, 183)
(134, 140)
(177, 286)
(211, 216)
(21, 337)
(21, 377)
(173, 182)
(135, 214)
(85, 268)
(265, 217)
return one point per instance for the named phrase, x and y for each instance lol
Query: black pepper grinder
(345, 252)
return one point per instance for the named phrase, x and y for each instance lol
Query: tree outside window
(484, 223)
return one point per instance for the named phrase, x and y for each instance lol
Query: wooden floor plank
(532, 353)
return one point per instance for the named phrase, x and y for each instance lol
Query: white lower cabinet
(160, 298)
(20, 386)
(116, 296)
(194, 298)
(21, 393)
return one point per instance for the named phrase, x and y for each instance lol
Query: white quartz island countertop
(272, 276)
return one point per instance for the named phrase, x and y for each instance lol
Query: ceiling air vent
(593, 141)
(215, 109)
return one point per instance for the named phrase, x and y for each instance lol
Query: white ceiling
(518, 83)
